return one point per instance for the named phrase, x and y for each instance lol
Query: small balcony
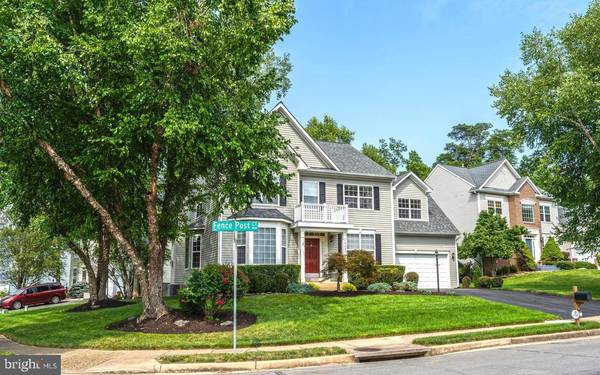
(321, 213)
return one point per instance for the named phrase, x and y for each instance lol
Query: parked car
(35, 294)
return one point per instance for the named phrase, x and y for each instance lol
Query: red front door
(311, 255)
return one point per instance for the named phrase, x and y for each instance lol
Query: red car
(35, 294)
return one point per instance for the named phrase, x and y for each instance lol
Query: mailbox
(582, 296)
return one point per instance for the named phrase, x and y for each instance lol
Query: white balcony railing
(321, 213)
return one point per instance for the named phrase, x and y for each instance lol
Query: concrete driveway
(556, 305)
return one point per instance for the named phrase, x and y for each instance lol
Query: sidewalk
(145, 361)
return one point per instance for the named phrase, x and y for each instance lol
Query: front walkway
(145, 361)
(557, 305)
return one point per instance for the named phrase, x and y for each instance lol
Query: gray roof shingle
(438, 223)
(477, 175)
(197, 224)
(261, 213)
(348, 159)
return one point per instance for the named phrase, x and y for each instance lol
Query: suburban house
(497, 187)
(337, 200)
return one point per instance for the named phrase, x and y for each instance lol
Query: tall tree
(328, 130)
(475, 144)
(389, 154)
(27, 255)
(553, 104)
(415, 164)
(138, 101)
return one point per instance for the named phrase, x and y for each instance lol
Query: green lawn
(282, 319)
(6, 353)
(559, 282)
(252, 356)
(505, 332)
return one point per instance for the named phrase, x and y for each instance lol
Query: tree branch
(579, 125)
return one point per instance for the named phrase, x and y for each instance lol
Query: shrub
(338, 264)
(77, 289)
(525, 260)
(598, 258)
(348, 287)
(551, 252)
(497, 282)
(484, 282)
(564, 265)
(269, 278)
(407, 286)
(361, 268)
(297, 288)
(466, 282)
(513, 269)
(389, 274)
(211, 289)
(566, 255)
(412, 276)
(3, 294)
(379, 288)
(315, 287)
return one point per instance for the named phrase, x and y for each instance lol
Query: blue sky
(408, 69)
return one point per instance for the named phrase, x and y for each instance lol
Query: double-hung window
(361, 241)
(284, 240)
(358, 196)
(527, 213)
(409, 208)
(196, 249)
(494, 207)
(240, 244)
(265, 251)
(310, 192)
(545, 213)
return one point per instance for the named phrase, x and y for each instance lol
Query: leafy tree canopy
(389, 154)
(476, 144)
(415, 164)
(552, 103)
(328, 130)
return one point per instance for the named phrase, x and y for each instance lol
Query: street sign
(234, 226)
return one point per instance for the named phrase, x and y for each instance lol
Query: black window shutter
(321, 192)
(340, 193)
(300, 191)
(339, 236)
(186, 253)
(378, 248)
(376, 197)
(283, 197)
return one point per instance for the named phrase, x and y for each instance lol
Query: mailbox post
(579, 298)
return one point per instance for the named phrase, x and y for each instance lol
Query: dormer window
(409, 208)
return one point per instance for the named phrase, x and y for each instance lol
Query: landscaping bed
(557, 282)
(356, 293)
(252, 355)
(179, 322)
(105, 304)
(280, 319)
(504, 333)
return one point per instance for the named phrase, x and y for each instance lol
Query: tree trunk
(103, 261)
(85, 258)
(153, 307)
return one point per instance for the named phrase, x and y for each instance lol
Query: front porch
(314, 247)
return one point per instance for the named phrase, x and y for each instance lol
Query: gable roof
(404, 175)
(438, 223)
(350, 160)
(261, 213)
(476, 176)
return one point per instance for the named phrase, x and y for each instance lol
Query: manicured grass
(252, 356)
(558, 282)
(6, 353)
(281, 319)
(505, 332)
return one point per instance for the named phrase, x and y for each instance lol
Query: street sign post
(234, 226)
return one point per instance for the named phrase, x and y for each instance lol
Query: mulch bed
(105, 304)
(333, 293)
(186, 323)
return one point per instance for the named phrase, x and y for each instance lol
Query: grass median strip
(504, 333)
(252, 355)
(6, 353)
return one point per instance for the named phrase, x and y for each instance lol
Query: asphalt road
(557, 305)
(567, 357)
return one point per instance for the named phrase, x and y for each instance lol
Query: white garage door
(424, 265)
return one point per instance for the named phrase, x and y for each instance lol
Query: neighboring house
(497, 187)
(337, 200)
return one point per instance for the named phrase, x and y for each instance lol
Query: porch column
(345, 252)
(301, 252)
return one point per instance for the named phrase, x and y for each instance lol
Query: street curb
(465, 346)
(258, 365)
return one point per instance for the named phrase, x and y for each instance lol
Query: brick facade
(515, 208)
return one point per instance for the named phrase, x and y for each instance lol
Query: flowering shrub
(348, 287)
(210, 290)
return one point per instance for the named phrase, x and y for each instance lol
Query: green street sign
(234, 226)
